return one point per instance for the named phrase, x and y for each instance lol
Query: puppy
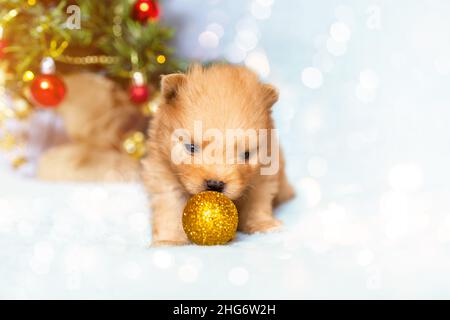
(97, 117)
(214, 99)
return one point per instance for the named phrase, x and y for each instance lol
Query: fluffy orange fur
(222, 97)
(97, 116)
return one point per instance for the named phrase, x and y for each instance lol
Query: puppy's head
(102, 115)
(217, 113)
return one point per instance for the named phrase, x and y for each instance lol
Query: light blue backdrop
(382, 69)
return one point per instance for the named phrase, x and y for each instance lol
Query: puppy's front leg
(167, 209)
(255, 208)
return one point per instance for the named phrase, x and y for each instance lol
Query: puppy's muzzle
(215, 185)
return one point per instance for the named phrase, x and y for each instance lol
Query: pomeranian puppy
(96, 123)
(214, 131)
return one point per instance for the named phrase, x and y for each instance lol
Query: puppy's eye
(246, 155)
(191, 148)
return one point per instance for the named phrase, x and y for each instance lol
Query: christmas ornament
(8, 142)
(48, 89)
(210, 218)
(139, 92)
(145, 10)
(150, 108)
(3, 43)
(134, 145)
(28, 76)
(18, 162)
(161, 59)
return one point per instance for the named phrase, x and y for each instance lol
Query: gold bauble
(210, 218)
(28, 76)
(18, 162)
(8, 142)
(134, 145)
(161, 59)
(151, 107)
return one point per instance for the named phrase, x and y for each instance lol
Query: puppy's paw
(256, 226)
(169, 243)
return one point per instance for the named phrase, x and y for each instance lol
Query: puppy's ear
(269, 94)
(170, 85)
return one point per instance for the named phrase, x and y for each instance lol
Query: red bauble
(3, 45)
(145, 10)
(139, 93)
(48, 90)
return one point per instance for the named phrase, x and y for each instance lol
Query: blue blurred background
(363, 115)
(364, 84)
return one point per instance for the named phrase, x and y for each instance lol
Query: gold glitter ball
(134, 145)
(210, 218)
(151, 107)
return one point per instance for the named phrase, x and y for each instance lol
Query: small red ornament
(48, 90)
(145, 10)
(139, 94)
(139, 91)
(3, 45)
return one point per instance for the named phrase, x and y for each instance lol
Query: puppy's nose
(214, 185)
